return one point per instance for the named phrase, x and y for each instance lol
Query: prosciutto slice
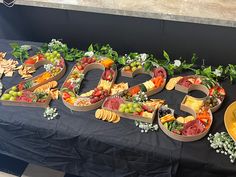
(193, 128)
(113, 103)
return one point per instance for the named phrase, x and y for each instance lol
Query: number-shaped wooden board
(198, 124)
(122, 104)
(94, 98)
(23, 93)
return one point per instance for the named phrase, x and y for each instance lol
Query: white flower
(89, 54)
(25, 47)
(143, 56)
(50, 113)
(48, 67)
(217, 72)
(53, 42)
(177, 63)
(128, 61)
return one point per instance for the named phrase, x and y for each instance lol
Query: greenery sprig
(56, 45)
(148, 61)
(20, 52)
(172, 66)
(219, 73)
(73, 54)
(216, 74)
(103, 50)
(230, 71)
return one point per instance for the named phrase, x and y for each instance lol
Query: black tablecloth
(78, 143)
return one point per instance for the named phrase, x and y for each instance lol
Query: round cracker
(101, 114)
(98, 113)
(117, 119)
(109, 119)
(105, 113)
(113, 117)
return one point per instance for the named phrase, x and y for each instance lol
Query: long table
(78, 143)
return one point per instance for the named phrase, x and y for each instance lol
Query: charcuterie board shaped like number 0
(95, 97)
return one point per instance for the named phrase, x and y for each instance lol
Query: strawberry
(221, 91)
(69, 85)
(197, 81)
(211, 91)
(98, 93)
(40, 57)
(20, 86)
(84, 60)
(30, 61)
(109, 77)
(80, 67)
(65, 95)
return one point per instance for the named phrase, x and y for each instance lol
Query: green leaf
(14, 45)
(44, 48)
(134, 55)
(19, 52)
(90, 48)
(166, 56)
(147, 66)
(122, 60)
(194, 58)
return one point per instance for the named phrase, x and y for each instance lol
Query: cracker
(105, 114)
(98, 113)
(117, 119)
(172, 82)
(109, 118)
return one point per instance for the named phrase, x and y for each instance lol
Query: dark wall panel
(125, 34)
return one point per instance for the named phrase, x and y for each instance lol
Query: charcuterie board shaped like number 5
(128, 103)
(196, 125)
(94, 98)
(28, 93)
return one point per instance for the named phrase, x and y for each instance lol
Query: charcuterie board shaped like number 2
(127, 104)
(26, 93)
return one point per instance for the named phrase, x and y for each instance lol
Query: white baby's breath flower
(177, 63)
(128, 61)
(143, 56)
(26, 47)
(89, 54)
(48, 67)
(217, 72)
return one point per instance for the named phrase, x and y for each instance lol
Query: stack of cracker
(106, 115)
(7, 67)
(25, 71)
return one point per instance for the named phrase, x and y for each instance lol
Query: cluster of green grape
(52, 56)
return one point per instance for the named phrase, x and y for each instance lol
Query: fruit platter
(94, 98)
(35, 92)
(133, 103)
(214, 92)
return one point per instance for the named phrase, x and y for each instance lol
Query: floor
(11, 167)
